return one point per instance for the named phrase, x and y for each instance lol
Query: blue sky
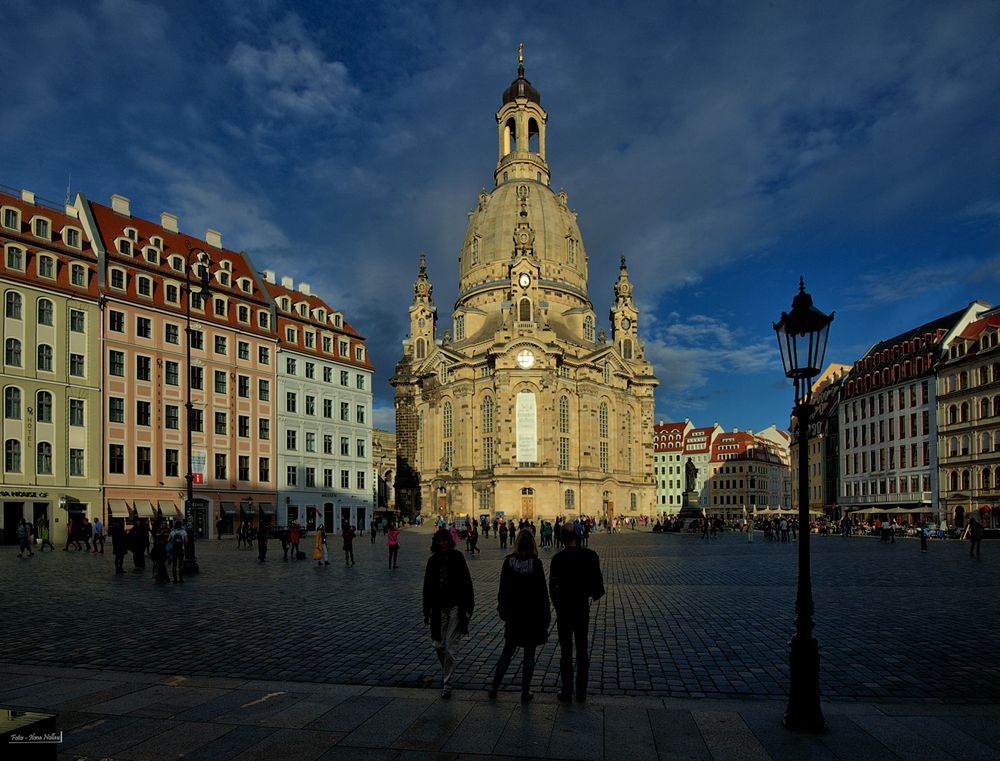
(724, 148)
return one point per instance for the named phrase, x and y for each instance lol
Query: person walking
(283, 537)
(139, 541)
(218, 530)
(448, 601)
(975, 536)
(393, 543)
(502, 533)
(295, 536)
(71, 535)
(24, 538)
(924, 533)
(574, 579)
(321, 553)
(178, 541)
(348, 533)
(43, 533)
(523, 605)
(119, 545)
(159, 557)
(474, 539)
(262, 541)
(98, 534)
(373, 531)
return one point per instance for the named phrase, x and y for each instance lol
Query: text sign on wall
(527, 427)
(199, 465)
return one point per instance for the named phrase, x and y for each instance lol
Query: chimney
(269, 276)
(213, 238)
(168, 222)
(304, 289)
(120, 205)
(72, 212)
(28, 197)
(287, 282)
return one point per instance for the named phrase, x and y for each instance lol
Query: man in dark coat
(448, 602)
(574, 579)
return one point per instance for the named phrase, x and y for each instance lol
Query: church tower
(523, 408)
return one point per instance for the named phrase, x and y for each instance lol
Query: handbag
(317, 554)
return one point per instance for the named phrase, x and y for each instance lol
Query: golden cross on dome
(520, 53)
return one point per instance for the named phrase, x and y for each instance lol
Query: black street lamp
(201, 288)
(802, 335)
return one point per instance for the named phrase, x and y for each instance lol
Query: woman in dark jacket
(448, 602)
(523, 604)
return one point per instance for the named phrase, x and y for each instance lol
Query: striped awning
(118, 507)
(143, 508)
(169, 508)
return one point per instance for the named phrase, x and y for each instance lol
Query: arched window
(952, 383)
(953, 414)
(45, 357)
(569, 499)
(986, 480)
(12, 403)
(953, 446)
(509, 136)
(12, 352)
(43, 459)
(984, 409)
(524, 310)
(996, 405)
(12, 456)
(963, 414)
(984, 375)
(603, 420)
(533, 141)
(563, 414)
(627, 348)
(953, 480)
(984, 442)
(12, 308)
(995, 371)
(588, 328)
(963, 380)
(966, 480)
(44, 312)
(488, 414)
(965, 445)
(446, 420)
(43, 407)
(420, 348)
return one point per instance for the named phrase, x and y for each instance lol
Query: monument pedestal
(690, 509)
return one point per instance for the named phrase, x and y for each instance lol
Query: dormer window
(157, 241)
(132, 234)
(224, 278)
(71, 237)
(338, 322)
(42, 228)
(226, 265)
(321, 315)
(124, 247)
(152, 255)
(245, 285)
(286, 305)
(11, 219)
(177, 263)
(304, 309)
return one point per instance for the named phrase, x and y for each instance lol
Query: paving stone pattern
(683, 617)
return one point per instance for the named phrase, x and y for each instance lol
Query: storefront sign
(17, 493)
(199, 465)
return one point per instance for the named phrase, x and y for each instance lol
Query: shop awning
(143, 508)
(266, 508)
(118, 507)
(169, 508)
(228, 508)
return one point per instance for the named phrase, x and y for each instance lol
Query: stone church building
(522, 407)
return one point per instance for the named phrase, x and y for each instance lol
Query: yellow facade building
(522, 407)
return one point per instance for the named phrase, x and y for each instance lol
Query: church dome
(489, 243)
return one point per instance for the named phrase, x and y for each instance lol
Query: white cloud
(384, 417)
(291, 77)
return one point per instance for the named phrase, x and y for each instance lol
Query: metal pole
(190, 560)
(803, 712)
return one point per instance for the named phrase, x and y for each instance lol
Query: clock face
(626, 323)
(525, 359)
(524, 280)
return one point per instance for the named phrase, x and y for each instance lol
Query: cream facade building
(522, 407)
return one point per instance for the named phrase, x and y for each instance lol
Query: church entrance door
(527, 506)
(442, 504)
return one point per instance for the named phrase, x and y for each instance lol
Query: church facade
(522, 406)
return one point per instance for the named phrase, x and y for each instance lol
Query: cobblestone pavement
(683, 617)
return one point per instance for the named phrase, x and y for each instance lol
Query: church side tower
(423, 314)
(624, 318)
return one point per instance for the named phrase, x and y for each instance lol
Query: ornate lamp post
(201, 287)
(802, 335)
